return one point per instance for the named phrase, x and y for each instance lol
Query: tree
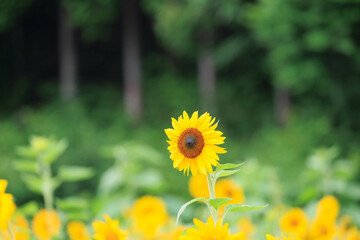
(131, 57)
(94, 18)
(303, 40)
(188, 28)
(67, 56)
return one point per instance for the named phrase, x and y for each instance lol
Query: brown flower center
(191, 143)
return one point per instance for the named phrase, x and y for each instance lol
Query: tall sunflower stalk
(193, 144)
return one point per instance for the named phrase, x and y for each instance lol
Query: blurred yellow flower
(245, 226)
(198, 186)
(193, 143)
(271, 237)
(7, 205)
(294, 222)
(108, 230)
(77, 231)
(39, 144)
(46, 224)
(19, 227)
(229, 188)
(210, 231)
(343, 227)
(352, 234)
(172, 235)
(328, 208)
(149, 215)
(322, 229)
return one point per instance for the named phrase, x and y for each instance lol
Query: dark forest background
(282, 76)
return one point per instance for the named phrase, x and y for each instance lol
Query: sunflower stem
(211, 185)
(11, 232)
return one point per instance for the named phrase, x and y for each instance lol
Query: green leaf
(72, 203)
(183, 207)
(224, 173)
(75, 173)
(34, 183)
(240, 208)
(26, 166)
(29, 208)
(26, 152)
(54, 151)
(218, 202)
(228, 166)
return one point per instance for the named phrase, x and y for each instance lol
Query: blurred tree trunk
(282, 106)
(131, 60)
(68, 58)
(207, 73)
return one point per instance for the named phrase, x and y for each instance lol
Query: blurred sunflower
(322, 229)
(20, 229)
(77, 231)
(149, 216)
(271, 237)
(343, 227)
(108, 230)
(328, 208)
(245, 225)
(7, 205)
(228, 188)
(294, 222)
(193, 143)
(46, 224)
(352, 234)
(172, 235)
(198, 186)
(209, 230)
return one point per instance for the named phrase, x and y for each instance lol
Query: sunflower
(108, 230)
(323, 229)
(19, 229)
(46, 224)
(294, 222)
(328, 208)
(7, 205)
(209, 230)
(271, 237)
(198, 186)
(149, 215)
(77, 231)
(193, 143)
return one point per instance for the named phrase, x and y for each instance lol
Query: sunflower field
(179, 120)
(117, 211)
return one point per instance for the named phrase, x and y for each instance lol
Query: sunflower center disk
(191, 143)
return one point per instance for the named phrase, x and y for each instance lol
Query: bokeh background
(281, 76)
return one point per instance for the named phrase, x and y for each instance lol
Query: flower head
(271, 237)
(46, 224)
(198, 186)
(210, 231)
(245, 226)
(108, 230)
(193, 143)
(149, 215)
(77, 231)
(328, 208)
(172, 235)
(7, 205)
(229, 188)
(20, 229)
(39, 144)
(322, 229)
(294, 222)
